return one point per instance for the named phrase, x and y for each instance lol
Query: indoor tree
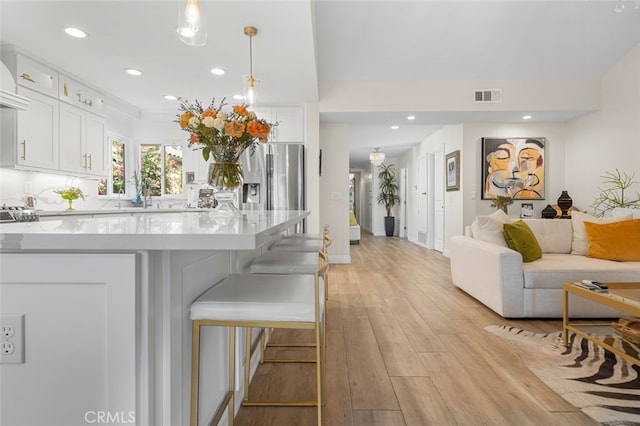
(388, 194)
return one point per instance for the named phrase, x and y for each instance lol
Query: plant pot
(389, 225)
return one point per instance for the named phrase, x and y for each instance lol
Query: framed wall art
(452, 169)
(513, 167)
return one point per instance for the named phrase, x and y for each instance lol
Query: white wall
(334, 188)
(608, 139)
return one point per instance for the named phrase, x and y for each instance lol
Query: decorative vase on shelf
(565, 202)
(70, 201)
(549, 212)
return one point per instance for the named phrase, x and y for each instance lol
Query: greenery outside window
(161, 168)
(116, 182)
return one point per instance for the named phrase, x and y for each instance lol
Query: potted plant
(388, 195)
(502, 202)
(616, 193)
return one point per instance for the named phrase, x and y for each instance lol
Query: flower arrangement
(225, 135)
(70, 194)
(502, 202)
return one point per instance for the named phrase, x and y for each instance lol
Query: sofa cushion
(554, 236)
(489, 228)
(520, 238)
(352, 219)
(580, 244)
(552, 270)
(614, 241)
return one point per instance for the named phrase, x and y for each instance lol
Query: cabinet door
(80, 333)
(37, 131)
(72, 155)
(290, 124)
(96, 144)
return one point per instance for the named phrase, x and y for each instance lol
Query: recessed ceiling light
(395, 127)
(526, 117)
(75, 32)
(411, 117)
(218, 71)
(133, 71)
(170, 97)
(238, 97)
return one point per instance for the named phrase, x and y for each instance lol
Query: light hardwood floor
(406, 347)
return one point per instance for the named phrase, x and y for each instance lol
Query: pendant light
(251, 94)
(190, 29)
(377, 157)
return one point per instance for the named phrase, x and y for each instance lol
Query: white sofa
(496, 275)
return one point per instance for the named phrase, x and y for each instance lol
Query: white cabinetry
(30, 137)
(82, 141)
(79, 336)
(79, 95)
(290, 121)
(36, 76)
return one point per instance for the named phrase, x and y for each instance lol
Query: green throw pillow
(352, 219)
(519, 237)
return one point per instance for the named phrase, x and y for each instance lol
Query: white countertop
(197, 230)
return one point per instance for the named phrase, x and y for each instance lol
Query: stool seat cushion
(308, 237)
(284, 263)
(257, 297)
(307, 246)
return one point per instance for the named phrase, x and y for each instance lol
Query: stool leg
(195, 364)
(247, 364)
(319, 373)
(231, 407)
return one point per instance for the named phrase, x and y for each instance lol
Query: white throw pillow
(580, 243)
(489, 228)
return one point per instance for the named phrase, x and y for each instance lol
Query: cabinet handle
(89, 161)
(27, 77)
(24, 149)
(84, 161)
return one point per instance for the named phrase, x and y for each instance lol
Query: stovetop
(17, 214)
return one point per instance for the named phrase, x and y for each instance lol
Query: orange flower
(193, 138)
(184, 119)
(258, 130)
(240, 110)
(234, 129)
(208, 113)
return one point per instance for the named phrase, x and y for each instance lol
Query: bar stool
(308, 236)
(304, 245)
(266, 301)
(286, 262)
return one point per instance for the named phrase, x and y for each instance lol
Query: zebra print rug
(604, 386)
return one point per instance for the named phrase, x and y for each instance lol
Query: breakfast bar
(102, 305)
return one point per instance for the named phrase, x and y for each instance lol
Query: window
(161, 168)
(116, 182)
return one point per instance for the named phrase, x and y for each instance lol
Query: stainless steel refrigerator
(274, 177)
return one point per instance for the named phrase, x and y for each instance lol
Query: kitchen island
(105, 307)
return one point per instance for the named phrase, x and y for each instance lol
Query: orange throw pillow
(614, 241)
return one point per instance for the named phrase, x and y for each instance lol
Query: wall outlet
(11, 338)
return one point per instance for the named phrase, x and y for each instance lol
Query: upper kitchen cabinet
(30, 137)
(290, 121)
(79, 95)
(33, 75)
(83, 141)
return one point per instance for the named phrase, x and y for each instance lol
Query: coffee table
(621, 296)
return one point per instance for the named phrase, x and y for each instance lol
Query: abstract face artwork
(513, 167)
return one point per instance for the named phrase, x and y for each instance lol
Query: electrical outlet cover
(11, 338)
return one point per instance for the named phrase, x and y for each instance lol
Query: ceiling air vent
(487, 95)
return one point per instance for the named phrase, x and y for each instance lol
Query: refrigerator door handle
(269, 167)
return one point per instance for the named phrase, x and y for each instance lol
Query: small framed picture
(452, 169)
(191, 177)
(526, 210)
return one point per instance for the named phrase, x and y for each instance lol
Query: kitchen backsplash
(14, 184)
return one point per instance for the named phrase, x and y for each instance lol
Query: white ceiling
(300, 43)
